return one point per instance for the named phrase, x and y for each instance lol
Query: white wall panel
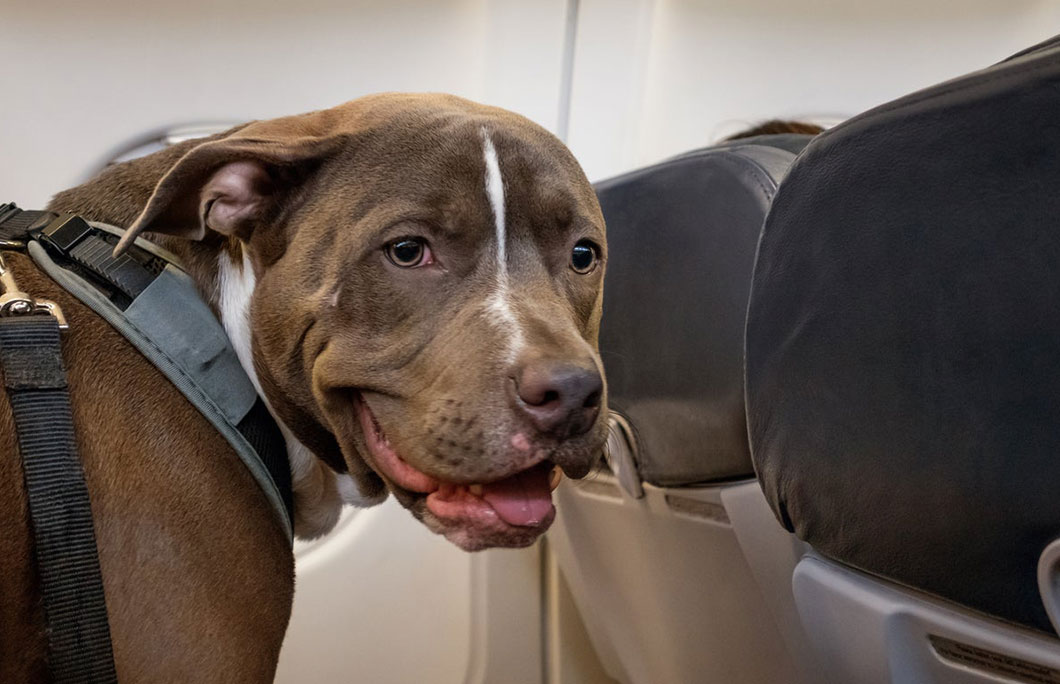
(380, 600)
(654, 78)
(87, 76)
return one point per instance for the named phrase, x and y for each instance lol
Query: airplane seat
(656, 545)
(903, 380)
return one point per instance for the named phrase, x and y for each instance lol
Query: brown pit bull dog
(413, 283)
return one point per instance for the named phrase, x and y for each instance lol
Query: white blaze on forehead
(495, 193)
(499, 302)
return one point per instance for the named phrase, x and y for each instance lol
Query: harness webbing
(78, 242)
(15, 222)
(79, 648)
(151, 302)
(72, 237)
(147, 298)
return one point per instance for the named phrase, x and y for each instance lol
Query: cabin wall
(640, 79)
(624, 82)
(653, 78)
(88, 76)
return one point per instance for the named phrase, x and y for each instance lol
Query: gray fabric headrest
(682, 237)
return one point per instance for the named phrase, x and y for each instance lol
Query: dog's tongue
(522, 499)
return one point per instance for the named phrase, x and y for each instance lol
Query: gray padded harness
(172, 326)
(147, 297)
(151, 301)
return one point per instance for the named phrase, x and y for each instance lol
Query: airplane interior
(832, 359)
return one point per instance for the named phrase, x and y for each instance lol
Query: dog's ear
(228, 186)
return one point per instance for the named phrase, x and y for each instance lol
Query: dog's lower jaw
(463, 538)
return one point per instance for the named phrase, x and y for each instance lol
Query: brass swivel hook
(15, 302)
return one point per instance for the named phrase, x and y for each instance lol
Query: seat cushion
(903, 339)
(682, 237)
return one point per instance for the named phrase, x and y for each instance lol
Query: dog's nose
(559, 397)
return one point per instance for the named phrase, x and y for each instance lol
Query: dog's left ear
(228, 186)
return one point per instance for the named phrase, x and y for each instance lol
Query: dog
(412, 282)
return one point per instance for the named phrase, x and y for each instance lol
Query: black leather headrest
(903, 339)
(682, 238)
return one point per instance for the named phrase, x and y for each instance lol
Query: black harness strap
(15, 223)
(71, 239)
(76, 244)
(35, 379)
(72, 586)
(263, 434)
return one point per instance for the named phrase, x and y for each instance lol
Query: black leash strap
(75, 610)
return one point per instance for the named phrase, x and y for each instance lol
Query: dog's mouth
(510, 511)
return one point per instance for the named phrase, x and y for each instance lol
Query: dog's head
(428, 293)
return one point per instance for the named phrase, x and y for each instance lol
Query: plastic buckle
(15, 303)
(8, 209)
(64, 232)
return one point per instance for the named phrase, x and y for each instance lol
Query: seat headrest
(682, 238)
(903, 339)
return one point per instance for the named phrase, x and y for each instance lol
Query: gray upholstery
(682, 237)
(903, 339)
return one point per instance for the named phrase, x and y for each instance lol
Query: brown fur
(197, 573)
(776, 127)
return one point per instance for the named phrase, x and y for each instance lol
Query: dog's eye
(584, 256)
(409, 252)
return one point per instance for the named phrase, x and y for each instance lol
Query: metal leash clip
(15, 302)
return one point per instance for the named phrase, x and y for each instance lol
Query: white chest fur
(319, 492)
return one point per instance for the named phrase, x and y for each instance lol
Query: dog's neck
(223, 274)
(319, 492)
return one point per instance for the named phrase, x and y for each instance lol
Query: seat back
(682, 237)
(903, 375)
(677, 566)
(903, 340)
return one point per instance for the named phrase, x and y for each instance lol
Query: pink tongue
(522, 499)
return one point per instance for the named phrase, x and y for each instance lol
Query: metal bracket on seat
(620, 452)
(1049, 582)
